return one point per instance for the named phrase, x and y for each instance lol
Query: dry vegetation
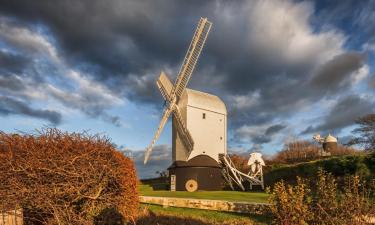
(324, 203)
(61, 178)
(304, 151)
(366, 132)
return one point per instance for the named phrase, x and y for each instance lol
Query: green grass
(209, 216)
(238, 196)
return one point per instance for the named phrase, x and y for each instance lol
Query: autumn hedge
(66, 178)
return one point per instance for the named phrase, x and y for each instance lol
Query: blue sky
(285, 69)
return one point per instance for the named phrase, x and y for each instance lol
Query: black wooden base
(202, 169)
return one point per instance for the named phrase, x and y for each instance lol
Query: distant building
(329, 144)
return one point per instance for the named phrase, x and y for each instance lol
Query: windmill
(198, 124)
(199, 127)
(172, 94)
(329, 144)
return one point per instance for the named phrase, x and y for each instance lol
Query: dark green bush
(361, 165)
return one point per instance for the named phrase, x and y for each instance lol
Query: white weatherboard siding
(209, 133)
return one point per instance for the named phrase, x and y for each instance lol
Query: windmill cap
(330, 138)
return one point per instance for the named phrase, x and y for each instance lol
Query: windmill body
(205, 116)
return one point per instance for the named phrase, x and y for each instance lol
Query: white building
(205, 116)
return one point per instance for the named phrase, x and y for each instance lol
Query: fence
(12, 217)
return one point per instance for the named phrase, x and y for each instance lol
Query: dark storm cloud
(281, 96)
(264, 67)
(9, 106)
(259, 135)
(11, 82)
(343, 114)
(335, 73)
(371, 83)
(12, 63)
(274, 129)
(160, 160)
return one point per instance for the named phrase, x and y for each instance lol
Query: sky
(285, 69)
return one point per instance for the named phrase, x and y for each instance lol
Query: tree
(366, 132)
(304, 151)
(240, 162)
(297, 151)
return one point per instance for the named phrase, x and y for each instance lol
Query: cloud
(274, 129)
(12, 63)
(335, 73)
(371, 83)
(9, 106)
(33, 70)
(268, 60)
(90, 97)
(343, 114)
(160, 160)
(23, 38)
(259, 134)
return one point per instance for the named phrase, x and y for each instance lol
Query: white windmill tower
(198, 125)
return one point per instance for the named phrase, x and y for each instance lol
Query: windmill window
(204, 115)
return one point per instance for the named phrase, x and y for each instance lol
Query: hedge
(363, 165)
(66, 178)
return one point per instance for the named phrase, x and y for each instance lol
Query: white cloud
(66, 88)
(245, 101)
(370, 46)
(27, 39)
(283, 28)
(360, 74)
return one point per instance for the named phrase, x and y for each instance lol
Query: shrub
(361, 165)
(326, 204)
(61, 178)
(290, 204)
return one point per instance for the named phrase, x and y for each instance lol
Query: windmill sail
(172, 93)
(165, 86)
(183, 131)
(163, 121)
(192, 56)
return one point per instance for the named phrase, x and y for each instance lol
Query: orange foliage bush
(61, 178)
(326, 204)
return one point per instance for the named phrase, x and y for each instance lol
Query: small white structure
(256, 164)
(254, 176)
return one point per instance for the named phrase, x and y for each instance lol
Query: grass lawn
(259, 197)
(199, 216)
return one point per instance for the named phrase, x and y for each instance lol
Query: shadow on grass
(153, 214)
(151, 219)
